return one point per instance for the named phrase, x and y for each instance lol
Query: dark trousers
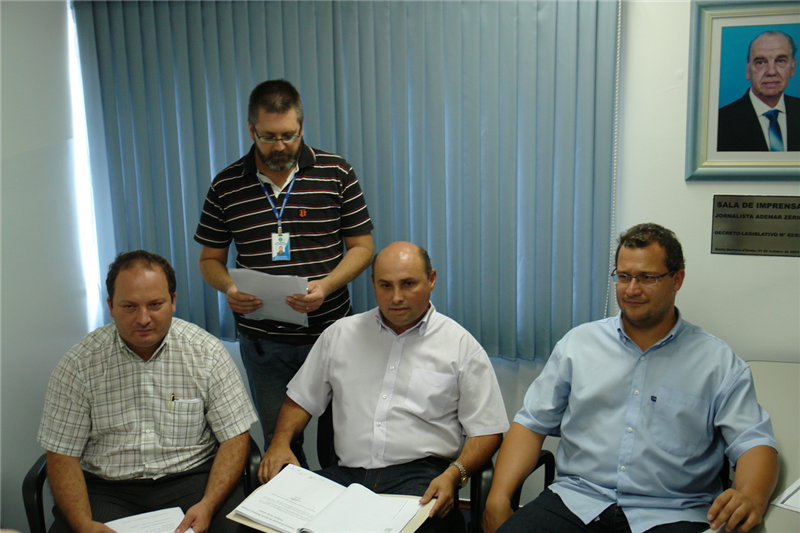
(117, 499)
(410, 479)
(548, 514)
(270, 366)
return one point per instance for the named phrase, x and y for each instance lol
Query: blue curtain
(482, 131)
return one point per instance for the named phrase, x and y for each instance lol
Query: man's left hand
(198, 517)
(444, 490)
(311, 300)
(734, 508)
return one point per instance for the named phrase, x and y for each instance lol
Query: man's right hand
(495, 514)
(241, 302)
(275, 458)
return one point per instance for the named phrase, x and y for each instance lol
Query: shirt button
(636, 393)
(623, 468)
(630, 430)
(384, 396)
(391, 368)
(641, 358)
(378, 424)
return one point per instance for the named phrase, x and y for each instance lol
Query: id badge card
(280, 246)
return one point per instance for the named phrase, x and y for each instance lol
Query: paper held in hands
(298, 500)
(161, 521)
(272, 291)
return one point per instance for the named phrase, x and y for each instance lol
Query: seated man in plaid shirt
(145, 413)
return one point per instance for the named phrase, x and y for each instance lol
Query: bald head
(402, 248)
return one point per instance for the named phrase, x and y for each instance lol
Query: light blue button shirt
(645, 430)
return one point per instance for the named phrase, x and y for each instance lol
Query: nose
(397, 295)
(143, 316)
(633, 287)
(772, 67)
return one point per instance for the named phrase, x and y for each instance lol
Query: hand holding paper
(273, 292)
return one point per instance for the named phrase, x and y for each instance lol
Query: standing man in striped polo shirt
(291, 210)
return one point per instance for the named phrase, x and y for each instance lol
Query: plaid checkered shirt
(127, 418)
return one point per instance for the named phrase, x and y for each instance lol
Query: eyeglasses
(645, 280)
(271, 139)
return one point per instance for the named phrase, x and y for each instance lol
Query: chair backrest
(326, 452)
(33, 495)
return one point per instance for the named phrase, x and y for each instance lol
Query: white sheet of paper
(272, 291)
(790, 498)
(391, 513)
(290, 499)
(161, 521)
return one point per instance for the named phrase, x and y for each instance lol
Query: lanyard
(278, 214)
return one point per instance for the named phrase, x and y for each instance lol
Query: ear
(677, 279)
(432, 278)
(252, 132)
(174, 297)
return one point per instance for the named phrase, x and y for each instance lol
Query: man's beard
(279, 161)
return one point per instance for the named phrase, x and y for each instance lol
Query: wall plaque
(756, 225)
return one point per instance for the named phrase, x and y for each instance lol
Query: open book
(300, 501)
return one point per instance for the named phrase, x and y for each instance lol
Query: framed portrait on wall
(744, 91)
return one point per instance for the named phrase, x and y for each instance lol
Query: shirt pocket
(184, 423)
(429, 392)
(680, 422)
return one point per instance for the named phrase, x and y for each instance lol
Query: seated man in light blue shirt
(646, 404)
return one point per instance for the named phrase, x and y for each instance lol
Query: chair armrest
(480, 483)
(32, 494)
(547, 460)
(250, 475)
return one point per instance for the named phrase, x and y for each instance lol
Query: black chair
(33, 486)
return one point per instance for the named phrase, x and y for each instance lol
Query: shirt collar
(126, 348)
(421, 326)
(761, 108)
(623, 337)
(308, 157)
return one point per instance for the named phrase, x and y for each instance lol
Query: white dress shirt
(398, 398)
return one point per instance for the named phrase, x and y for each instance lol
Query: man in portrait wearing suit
(764, 119)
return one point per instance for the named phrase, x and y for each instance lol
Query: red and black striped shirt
(325, 205)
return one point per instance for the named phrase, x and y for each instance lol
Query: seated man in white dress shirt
(406, 384)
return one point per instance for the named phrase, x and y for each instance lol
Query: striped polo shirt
(325, 205)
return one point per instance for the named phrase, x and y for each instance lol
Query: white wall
(43, 296)
(751, 302)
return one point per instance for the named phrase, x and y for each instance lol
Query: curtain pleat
(480, 130)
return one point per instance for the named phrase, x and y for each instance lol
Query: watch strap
(463, 472)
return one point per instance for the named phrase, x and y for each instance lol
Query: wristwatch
(463, 472)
